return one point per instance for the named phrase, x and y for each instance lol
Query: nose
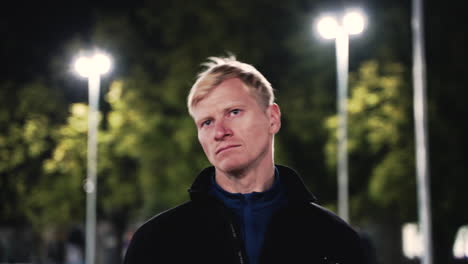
(222, 131)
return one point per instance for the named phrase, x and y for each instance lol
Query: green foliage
(393, 181)
(65, 173)
(380, 140)
(162, 142)
(59, 196)
(25, 125)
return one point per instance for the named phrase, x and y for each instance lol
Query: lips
(221, 149)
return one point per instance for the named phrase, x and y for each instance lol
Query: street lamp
(351, 23)
(92, 67)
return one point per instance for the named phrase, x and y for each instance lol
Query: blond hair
(219, 69)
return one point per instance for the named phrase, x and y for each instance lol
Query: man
(244, 209)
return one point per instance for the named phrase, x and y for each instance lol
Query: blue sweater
(253, 212)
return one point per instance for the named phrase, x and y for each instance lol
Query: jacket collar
(294, 186)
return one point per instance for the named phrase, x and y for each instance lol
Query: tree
(380, 146)
(59, 198)
(26, 120)
(28, 113)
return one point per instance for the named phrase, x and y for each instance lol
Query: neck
(257, 179)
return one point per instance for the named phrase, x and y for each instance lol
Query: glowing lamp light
(412, 241)
(354, 22)
(98, 64)
(460, 247)
(328, 27)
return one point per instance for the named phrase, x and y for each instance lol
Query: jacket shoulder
(327, 234)
(332, 222)
(327, 214)
(154, 237)
(340, 234)
(166, 219)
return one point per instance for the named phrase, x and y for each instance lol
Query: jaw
(238, 165)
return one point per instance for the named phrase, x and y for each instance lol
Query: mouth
(226, 148)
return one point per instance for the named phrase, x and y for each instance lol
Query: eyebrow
(238, 105)
(224, 110)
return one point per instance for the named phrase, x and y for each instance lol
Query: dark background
(38, 41)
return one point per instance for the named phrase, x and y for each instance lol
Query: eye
(205, 123)
(235, 112)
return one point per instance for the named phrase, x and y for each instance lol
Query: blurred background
(148, 153)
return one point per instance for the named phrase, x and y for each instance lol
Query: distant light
(103, 63)
(412, 241)
(460, 247)
(89, 186)
(328, 27)
(98, 64)
(354, 22)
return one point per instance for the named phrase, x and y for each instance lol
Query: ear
(274, 114)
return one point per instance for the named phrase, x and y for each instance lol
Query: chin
(231, 167)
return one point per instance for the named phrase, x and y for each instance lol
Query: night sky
(33, 33)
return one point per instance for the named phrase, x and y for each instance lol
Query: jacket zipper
(236, 238)
(235, 235)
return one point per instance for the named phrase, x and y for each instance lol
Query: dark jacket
(203, 231)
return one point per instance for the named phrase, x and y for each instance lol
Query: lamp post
(329, 27)
(92, 68)
(421, 131)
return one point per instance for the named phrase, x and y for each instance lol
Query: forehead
(228, 93)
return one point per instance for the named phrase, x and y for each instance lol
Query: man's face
(234, 130)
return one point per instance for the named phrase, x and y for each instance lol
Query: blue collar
(252, 212)
(255, 199)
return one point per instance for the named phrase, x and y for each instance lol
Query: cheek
(202, 138)
(259, 129)
(260, 134)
